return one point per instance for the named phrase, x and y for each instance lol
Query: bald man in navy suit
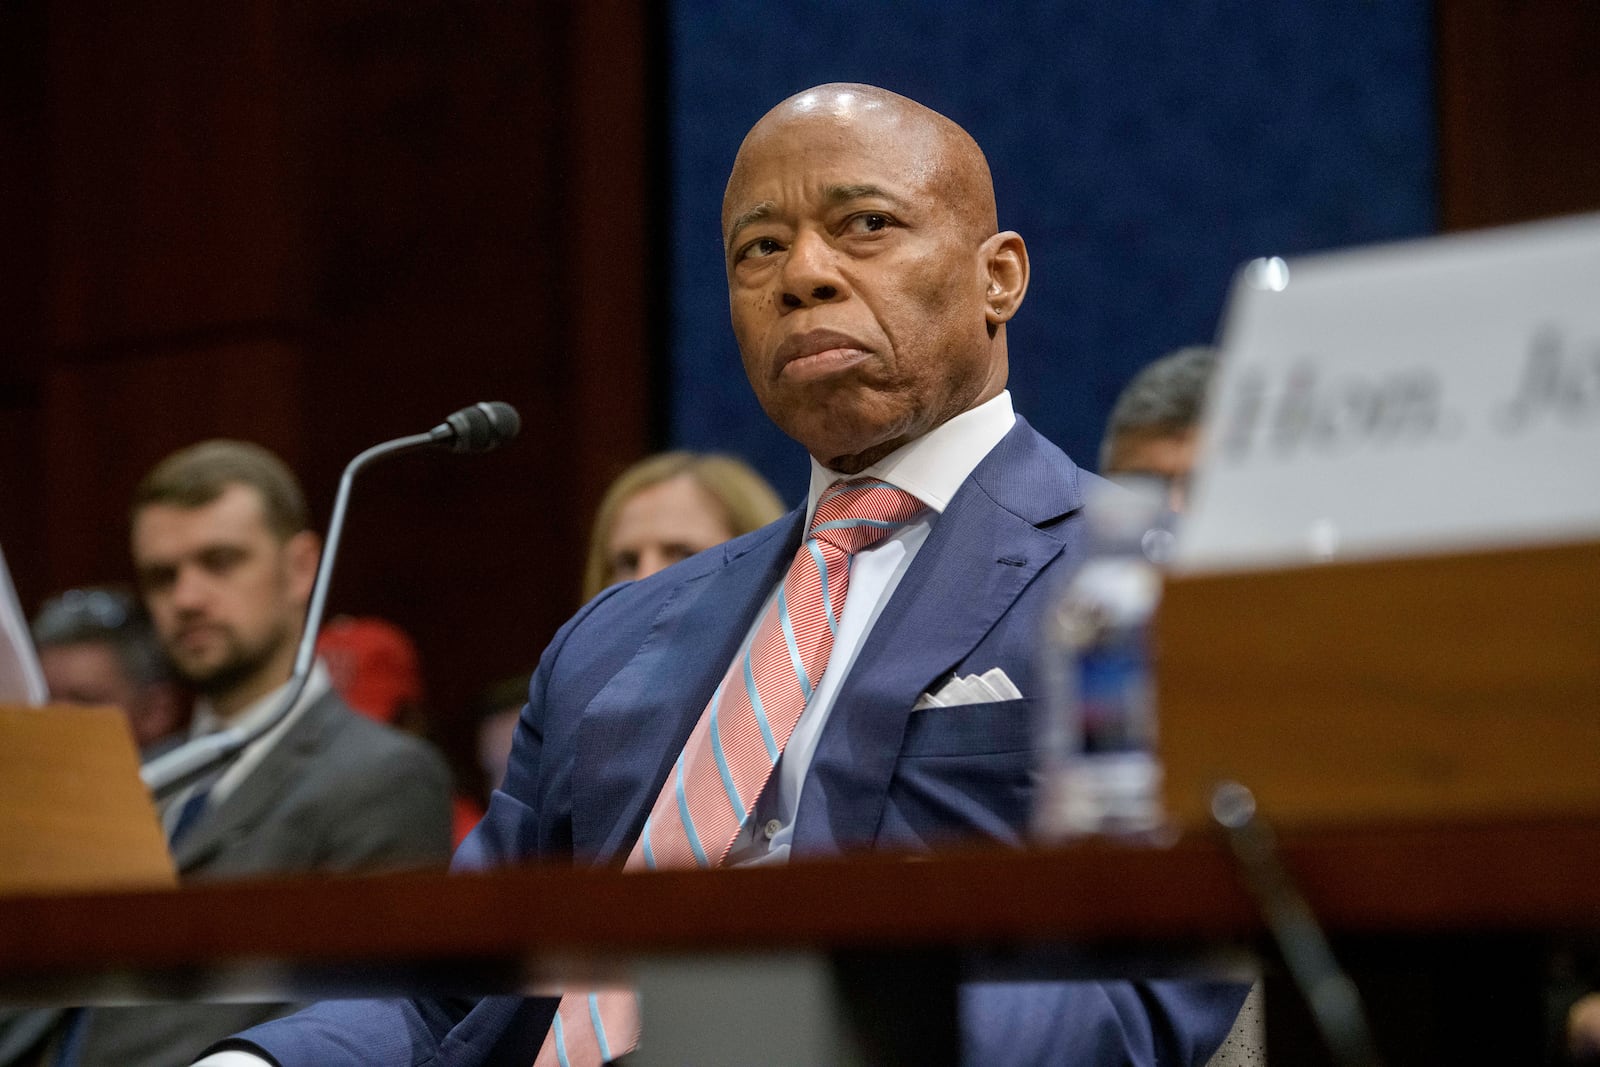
(870, 288)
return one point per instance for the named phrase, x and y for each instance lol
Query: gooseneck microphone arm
(478, 428)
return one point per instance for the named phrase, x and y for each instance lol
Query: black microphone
(472, 429)
(478, 428)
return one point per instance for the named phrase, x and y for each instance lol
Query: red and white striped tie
(732, 750)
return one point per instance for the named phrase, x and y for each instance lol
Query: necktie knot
(859, 513)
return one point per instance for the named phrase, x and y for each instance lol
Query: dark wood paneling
(22, 205)
(1519, 92)
(610, 285)
(108, 421)
(320, 226)
(172, 209)
(433, 155)
(22, 237)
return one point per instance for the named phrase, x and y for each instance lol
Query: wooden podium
(74, 814)
(1413, 689)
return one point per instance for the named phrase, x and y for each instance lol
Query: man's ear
(301, 552)
(1005, 263)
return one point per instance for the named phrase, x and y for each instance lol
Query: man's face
(92, 674)
(225, 595)
(88, 673)
(857, 281)
(1167, 457)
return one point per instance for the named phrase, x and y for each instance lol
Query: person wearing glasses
(97, 648)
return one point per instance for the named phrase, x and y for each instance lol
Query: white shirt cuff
(233, 1058)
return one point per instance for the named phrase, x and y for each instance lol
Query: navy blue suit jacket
(623, 683)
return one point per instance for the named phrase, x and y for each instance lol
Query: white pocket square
(986, 688)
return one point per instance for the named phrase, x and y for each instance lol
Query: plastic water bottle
(1099, 773)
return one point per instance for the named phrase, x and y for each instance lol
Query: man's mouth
(197, 635)
(817, 354)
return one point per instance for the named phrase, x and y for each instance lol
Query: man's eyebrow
(765, 209)
(833, 195)
(839, 194)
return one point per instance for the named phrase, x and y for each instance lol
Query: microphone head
(479, 428)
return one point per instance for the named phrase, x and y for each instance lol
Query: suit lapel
(986, 547)
(648, 709)
(253, 799)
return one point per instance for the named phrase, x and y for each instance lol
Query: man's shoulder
(349, 735)
(337, 792)
(394, 786)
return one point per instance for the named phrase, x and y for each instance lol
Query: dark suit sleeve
(1108, 1024)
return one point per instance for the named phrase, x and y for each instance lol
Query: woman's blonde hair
(748, 502)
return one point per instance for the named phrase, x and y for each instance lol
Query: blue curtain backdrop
(1143, 151)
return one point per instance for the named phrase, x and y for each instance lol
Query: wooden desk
(972, 914)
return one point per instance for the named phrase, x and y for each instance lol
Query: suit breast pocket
(970, 730)
(963, 773)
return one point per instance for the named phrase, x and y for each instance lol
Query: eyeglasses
(83, 612)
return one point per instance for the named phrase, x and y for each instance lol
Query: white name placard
(1430, 396)
(21, 679)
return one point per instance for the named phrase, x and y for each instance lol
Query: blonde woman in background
(669, 506)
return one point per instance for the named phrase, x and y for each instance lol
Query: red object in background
(464, 815)
(373, 665)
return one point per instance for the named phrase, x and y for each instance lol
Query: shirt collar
(932, 467)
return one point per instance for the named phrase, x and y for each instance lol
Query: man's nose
(811, 272)
(189, 589)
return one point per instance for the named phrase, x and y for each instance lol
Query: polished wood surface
(73, 812)
(508, 928)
